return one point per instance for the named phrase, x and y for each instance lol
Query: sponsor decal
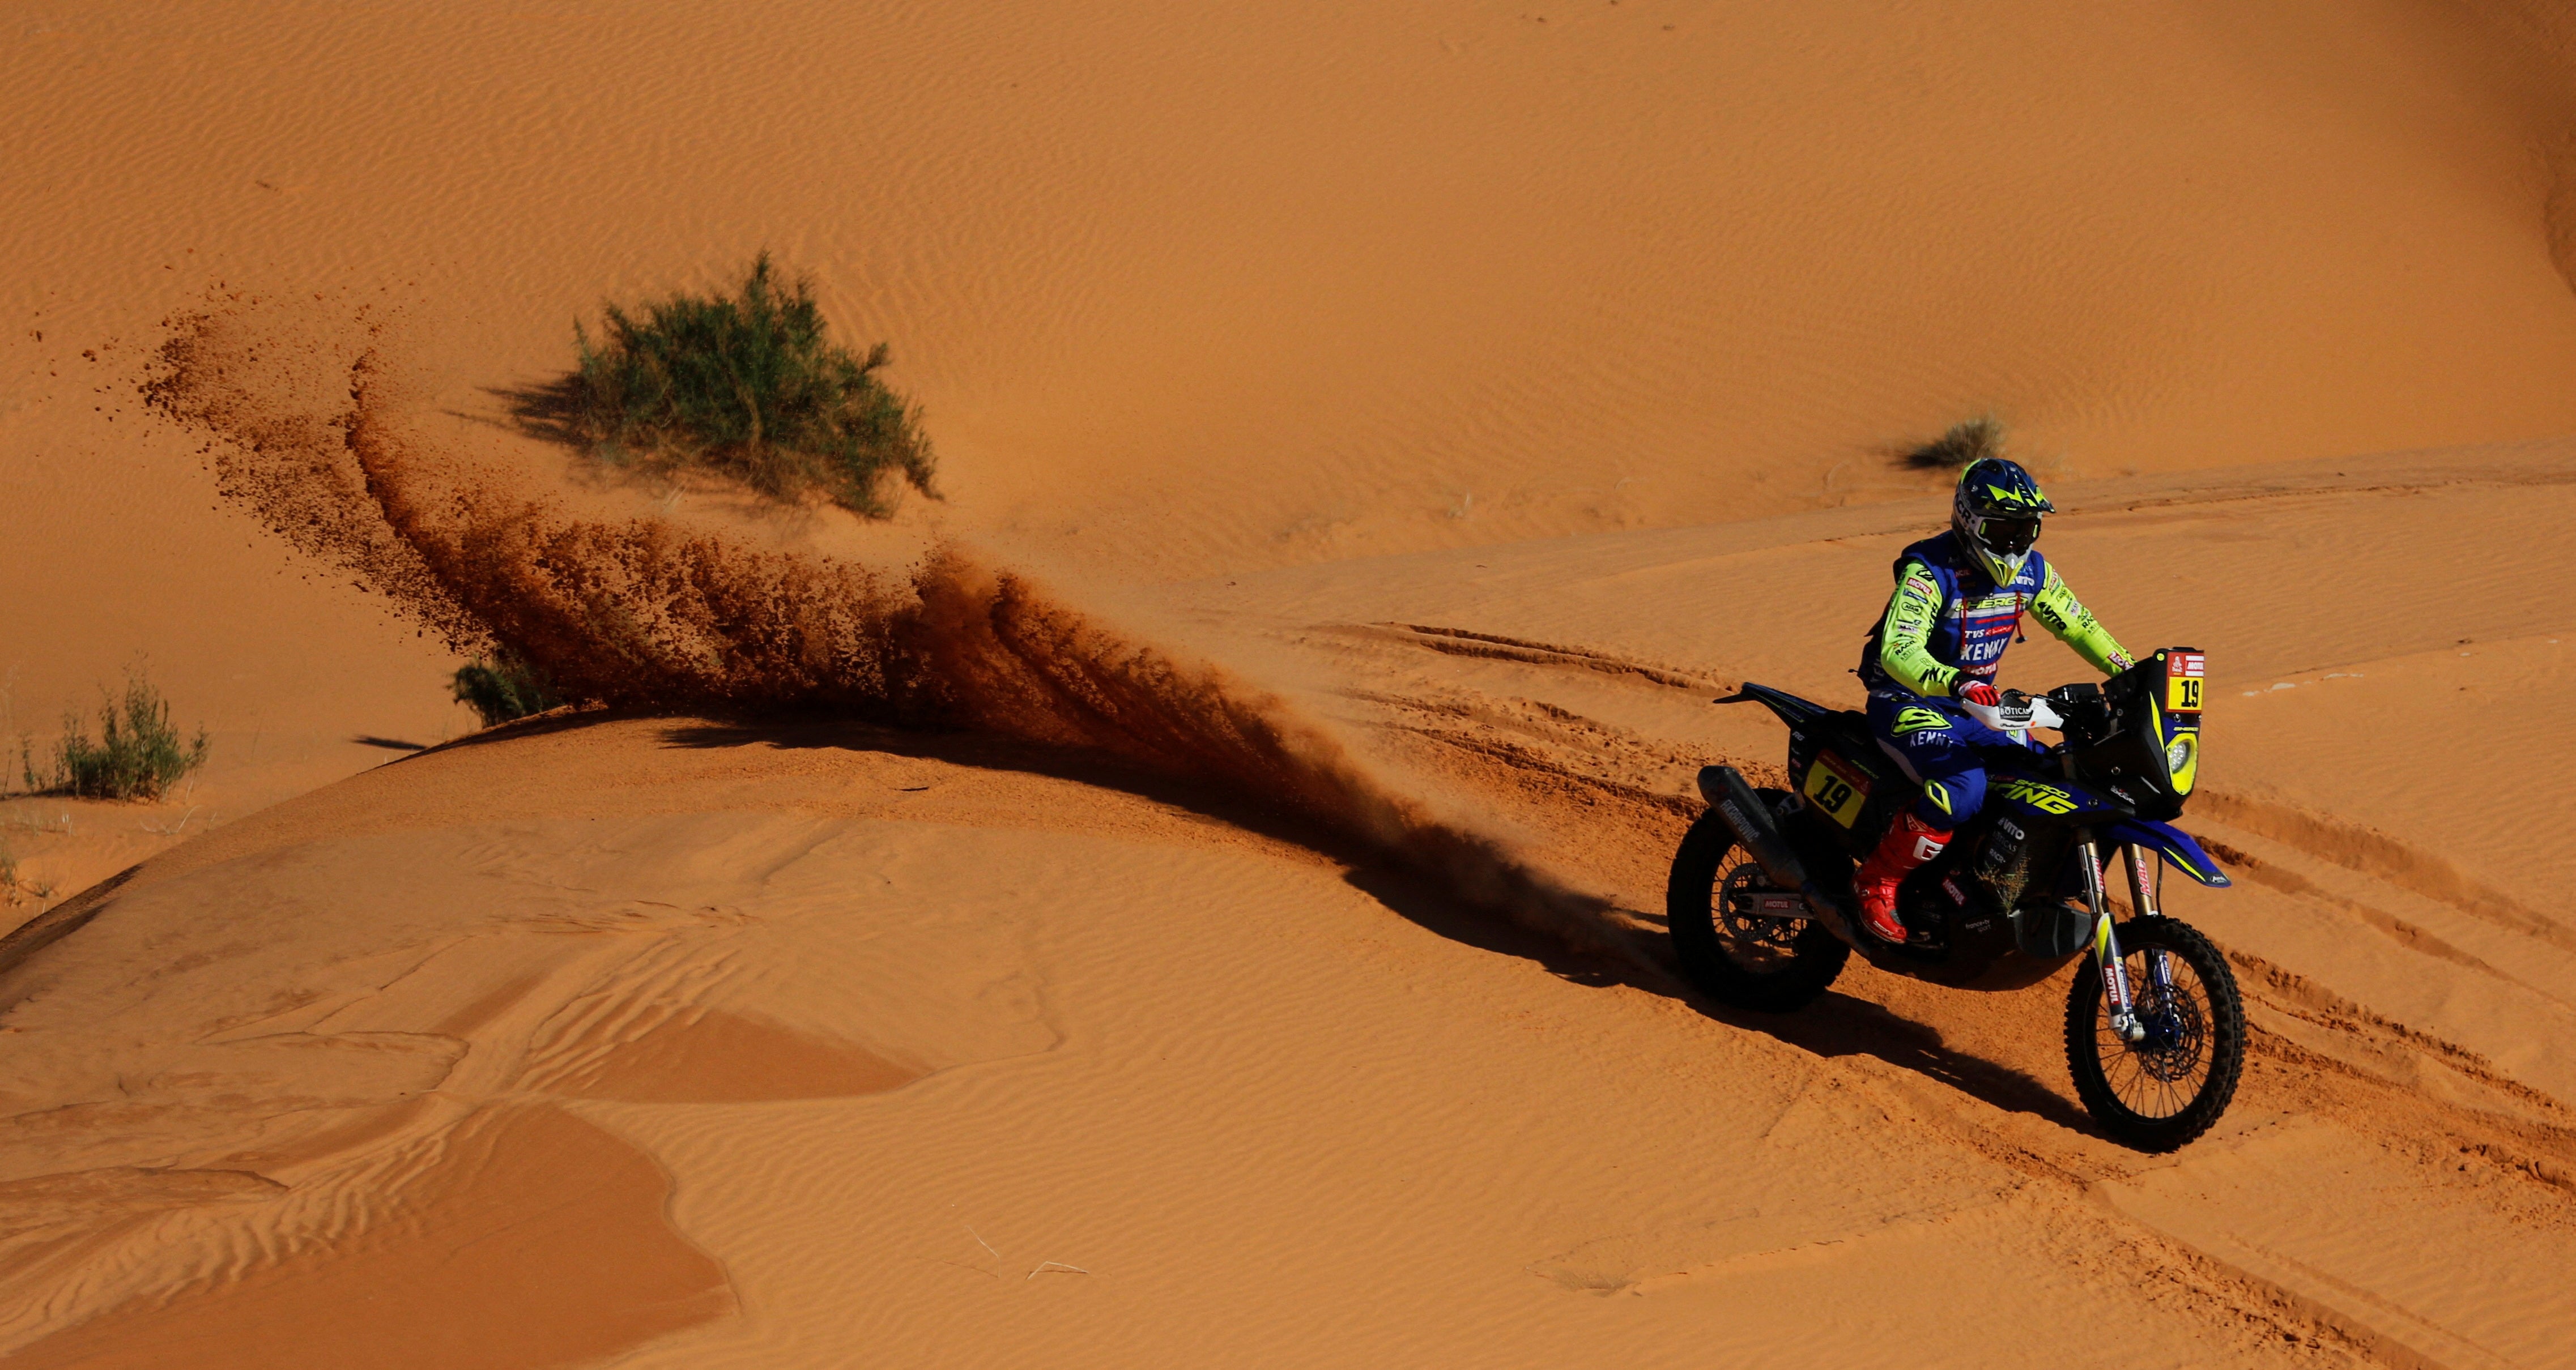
(1766, 904)
(2000, 602)
(1950, 887)
(2045, 798)
(1986, 627)
(1915, 719)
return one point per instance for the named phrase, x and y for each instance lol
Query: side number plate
(1838, 789)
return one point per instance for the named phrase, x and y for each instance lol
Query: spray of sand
(308, 433)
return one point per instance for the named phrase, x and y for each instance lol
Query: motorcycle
(1762, 913)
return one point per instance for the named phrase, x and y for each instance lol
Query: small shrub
(503, 688)
(748, 385)
(15, 891)
(138, 755)
(1972, 441)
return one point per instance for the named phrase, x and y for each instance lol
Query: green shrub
(138, 755)
(1972, 441)
(747, 385)
(503, 688)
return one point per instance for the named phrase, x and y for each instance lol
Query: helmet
(1996, 513)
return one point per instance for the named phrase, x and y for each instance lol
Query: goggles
(2004, 535)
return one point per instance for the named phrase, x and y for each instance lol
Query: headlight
(2182, 761)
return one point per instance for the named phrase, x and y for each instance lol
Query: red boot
(1909, 843)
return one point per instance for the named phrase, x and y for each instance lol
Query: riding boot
(1909, 843)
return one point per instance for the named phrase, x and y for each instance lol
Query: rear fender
(2173, 844)
(1795, 712)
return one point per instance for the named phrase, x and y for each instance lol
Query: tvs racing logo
(2045, 798)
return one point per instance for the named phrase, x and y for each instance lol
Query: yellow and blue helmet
(1996, 512)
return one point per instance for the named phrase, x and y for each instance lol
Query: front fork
(2106, 942)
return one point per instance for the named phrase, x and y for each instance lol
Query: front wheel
(1772, 966)
(2157, 1093)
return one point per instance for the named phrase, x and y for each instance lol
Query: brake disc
(2175, 1034)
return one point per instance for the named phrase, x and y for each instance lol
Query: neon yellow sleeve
(1904, 634)
(2058, 610)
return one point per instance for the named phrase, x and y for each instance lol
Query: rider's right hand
(1980, 693)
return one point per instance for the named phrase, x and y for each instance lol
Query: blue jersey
(1948, 621)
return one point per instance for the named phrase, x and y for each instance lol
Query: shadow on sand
(1838, 1025)
(550, 410)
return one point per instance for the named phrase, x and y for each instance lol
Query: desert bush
(1971, 441)
(503, 688)
(14, 890)
(137, 754)
(749, 386)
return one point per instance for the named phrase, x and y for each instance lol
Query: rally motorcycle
(1763, 916)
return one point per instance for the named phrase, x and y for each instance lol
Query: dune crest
(647, 615)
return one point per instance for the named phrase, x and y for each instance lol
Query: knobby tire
(1690, 916)
(2088, 1039)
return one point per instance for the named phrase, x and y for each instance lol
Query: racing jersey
(1949, 622)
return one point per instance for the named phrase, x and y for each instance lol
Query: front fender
(2174, 844)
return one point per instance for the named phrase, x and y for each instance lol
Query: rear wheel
(1769, 965)
(2160, 1092)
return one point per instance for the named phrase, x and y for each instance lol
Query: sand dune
(1137, 1042)
(1190, 896)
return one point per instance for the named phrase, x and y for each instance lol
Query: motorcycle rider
(1958, 603)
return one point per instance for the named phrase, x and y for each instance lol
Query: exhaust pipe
(1750, 820)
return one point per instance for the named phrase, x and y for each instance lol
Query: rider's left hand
(1980, 693)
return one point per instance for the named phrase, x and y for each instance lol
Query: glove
(1980, 693)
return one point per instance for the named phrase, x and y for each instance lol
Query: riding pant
(1942, 749)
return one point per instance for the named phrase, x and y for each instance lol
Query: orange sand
(1211, 921)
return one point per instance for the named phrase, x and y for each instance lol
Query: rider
(1958, 603)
